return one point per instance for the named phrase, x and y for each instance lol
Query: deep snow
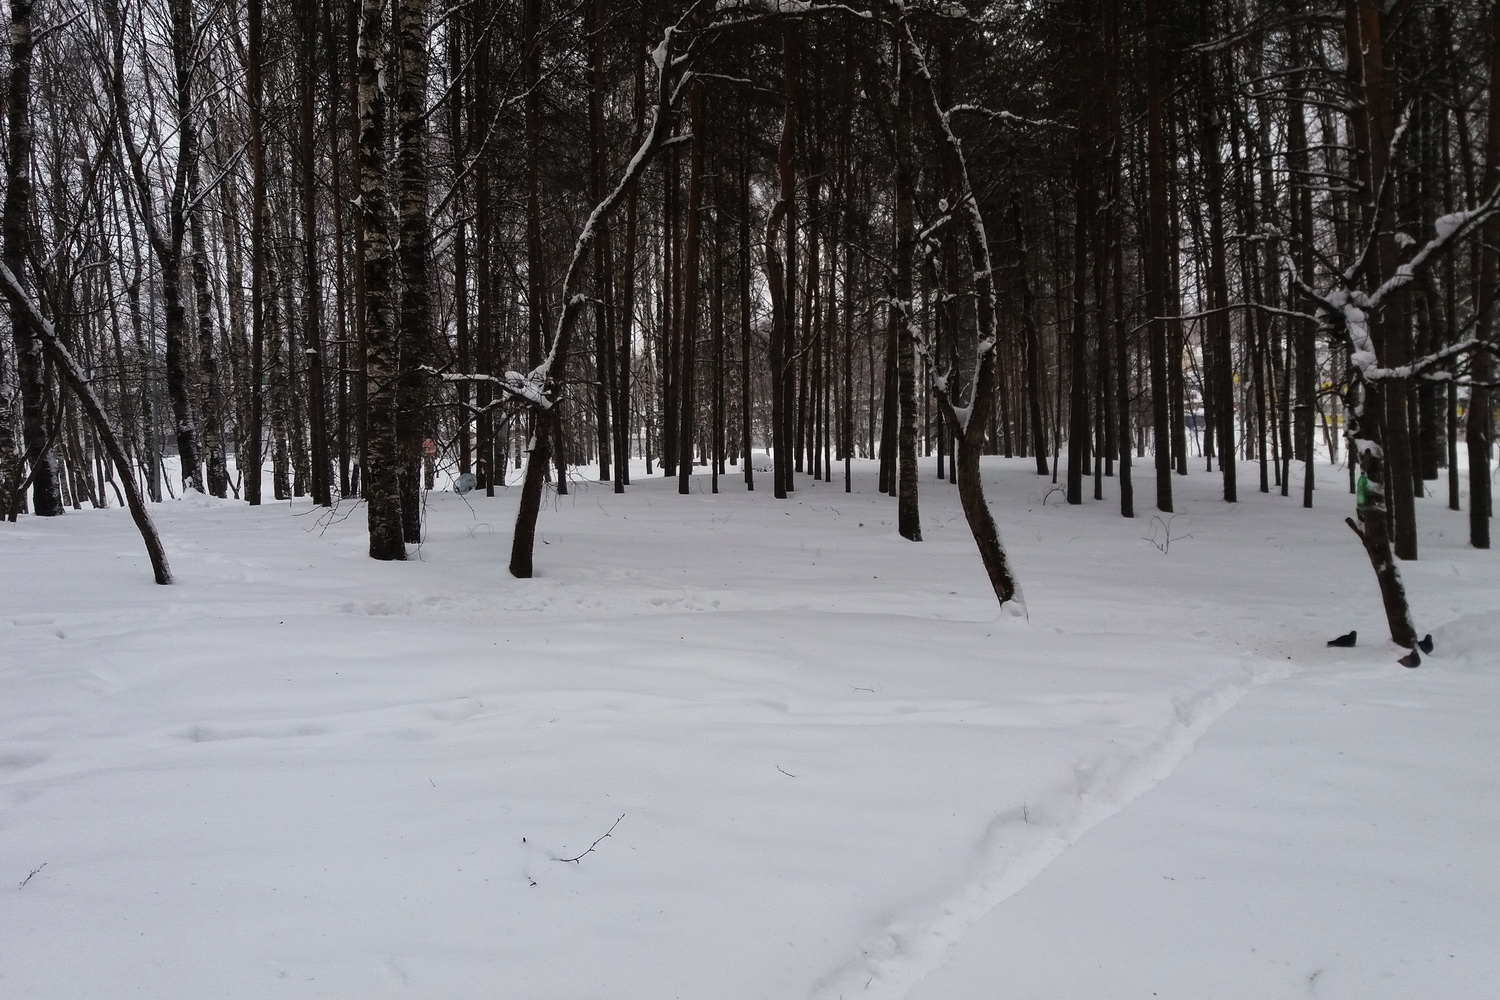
(834, 768)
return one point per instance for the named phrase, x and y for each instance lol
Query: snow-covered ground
(826, 764)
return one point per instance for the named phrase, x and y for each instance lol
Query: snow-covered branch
(534, 385)
(1004, 116)
(1449, 229)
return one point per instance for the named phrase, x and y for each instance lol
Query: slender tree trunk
(543, 387)
(312, 304)
(210, 384)
(908, 519)
(688, 320)
(46, 498)
(20, 302)
(536, 280)
(1219, 333)
(1157, 234)
(747, 428)
(624, 419)
(251, 460)
(604, 337)
(1305, 333)
(1031, 343)
(1480, 421)
(1084, 210)
(780, 275)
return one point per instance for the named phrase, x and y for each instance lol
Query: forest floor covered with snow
(730, 747)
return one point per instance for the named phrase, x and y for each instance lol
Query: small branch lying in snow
(1163, 541)
(28, 878)
(593, 845)
(789, 774)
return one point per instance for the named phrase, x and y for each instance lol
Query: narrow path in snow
(1020, 844)
(1332, 837)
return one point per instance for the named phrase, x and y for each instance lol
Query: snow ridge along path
(1019, 845)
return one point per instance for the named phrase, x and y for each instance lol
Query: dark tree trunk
(624, 419)
(381, 479)
(1480, 421)
(210, 384)
(688, 320)
(252, 458)
(20, 303)
(908, 519)
(747, 424)
(46, 497)
(1031, 344)
(414, 336)
(1084, 209)
(1158, 231)
(604, 337)
(320, 467)
(780, 276)
(1219, 335)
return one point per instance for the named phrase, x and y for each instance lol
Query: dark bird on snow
(1412, 659)
(1344, 641)
(1426, 644)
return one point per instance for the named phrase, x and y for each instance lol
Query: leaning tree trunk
(970, 421)
(542, 387)
(968, 432)
(1365, 436)
(21, 304)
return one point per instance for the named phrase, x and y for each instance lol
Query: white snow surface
(828, 765)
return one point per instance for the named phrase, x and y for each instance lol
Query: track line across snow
(1019, 844)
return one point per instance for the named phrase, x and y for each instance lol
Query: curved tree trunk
(21, 304)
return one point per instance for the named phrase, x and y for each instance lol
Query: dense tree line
(344, 242)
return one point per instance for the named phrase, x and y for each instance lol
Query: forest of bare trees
(347, 244)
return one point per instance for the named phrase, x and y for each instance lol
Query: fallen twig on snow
(594, 844)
